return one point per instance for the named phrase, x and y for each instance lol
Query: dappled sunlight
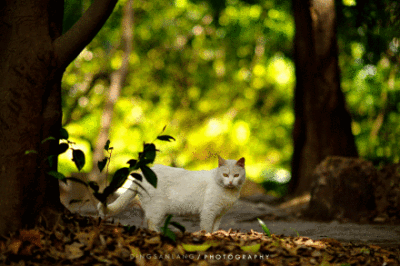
(222, 85)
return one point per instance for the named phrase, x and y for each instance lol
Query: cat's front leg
(209, 221)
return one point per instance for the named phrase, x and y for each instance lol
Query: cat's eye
(226, 175)
(236, 175)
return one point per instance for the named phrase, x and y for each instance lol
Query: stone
(342, 189)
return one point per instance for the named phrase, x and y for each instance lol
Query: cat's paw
(102, 209)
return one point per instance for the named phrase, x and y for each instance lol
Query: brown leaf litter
(81, 240)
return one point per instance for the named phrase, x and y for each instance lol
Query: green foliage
(264, 227)
(78, 157)
(369, 35)
(213, 79)
(168, 232)
(63, 134)
(147, 156)
(223, 77)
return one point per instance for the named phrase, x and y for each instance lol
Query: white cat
(209, 194)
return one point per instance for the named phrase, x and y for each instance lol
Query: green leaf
(63, 147)
(31, 151)
(57, 175)
(48, 139)
(178, 225)
(102, 164)
(171, 235)
(133, 165)
(63, 134)
(196, 248)
(118, 180)
(295, 231)
(52, 160)
(78, 157)
(165, 138)
(107, 146)
(149, 153)
(264, 227)
(137, 176)
(149, 175)
(166, 222)
(251, 248)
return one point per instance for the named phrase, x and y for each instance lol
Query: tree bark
(322, 122)
(33, 56)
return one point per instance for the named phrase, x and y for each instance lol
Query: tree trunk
(30, 110)
(322, 123)
(33, 57)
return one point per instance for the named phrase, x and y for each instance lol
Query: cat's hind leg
(154, 220)
(217, 222)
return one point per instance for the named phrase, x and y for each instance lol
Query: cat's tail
(120, 204)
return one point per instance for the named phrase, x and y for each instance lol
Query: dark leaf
(149, 153)
(139, 185)
(167, 220)
(78, 157)
(77, 180)
(63, 147)
(107, 146)
(165, 138)
(57, 175)
(118, 179)
(129, 228)
(133, 165)
(93, 185)
(75, 201)
(102, 197)
(52, 159)
(102, 164)
(168, 233)
(137, 176)
(179, 226)
(149, 175)
(63, 134)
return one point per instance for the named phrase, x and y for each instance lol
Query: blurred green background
(220, 75)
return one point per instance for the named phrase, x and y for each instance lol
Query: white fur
(209, 194)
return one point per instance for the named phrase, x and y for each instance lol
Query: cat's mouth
(230, 186)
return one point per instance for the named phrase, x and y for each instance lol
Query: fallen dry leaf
(88, 241)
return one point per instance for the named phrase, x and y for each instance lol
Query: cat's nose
(230, 182)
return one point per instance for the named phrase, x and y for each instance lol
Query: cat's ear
(221, 161)
(240, 162)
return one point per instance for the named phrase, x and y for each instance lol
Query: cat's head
(231, 173)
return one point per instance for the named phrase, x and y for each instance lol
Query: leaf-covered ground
(80, 240)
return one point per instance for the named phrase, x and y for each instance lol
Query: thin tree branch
(68, 46)
(117, 79)
(86, 91)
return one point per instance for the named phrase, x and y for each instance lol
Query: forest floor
(79, 240)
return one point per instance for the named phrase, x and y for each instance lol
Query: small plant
(264, 227)
(168, 232)
(298, 235)
(146, 157)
